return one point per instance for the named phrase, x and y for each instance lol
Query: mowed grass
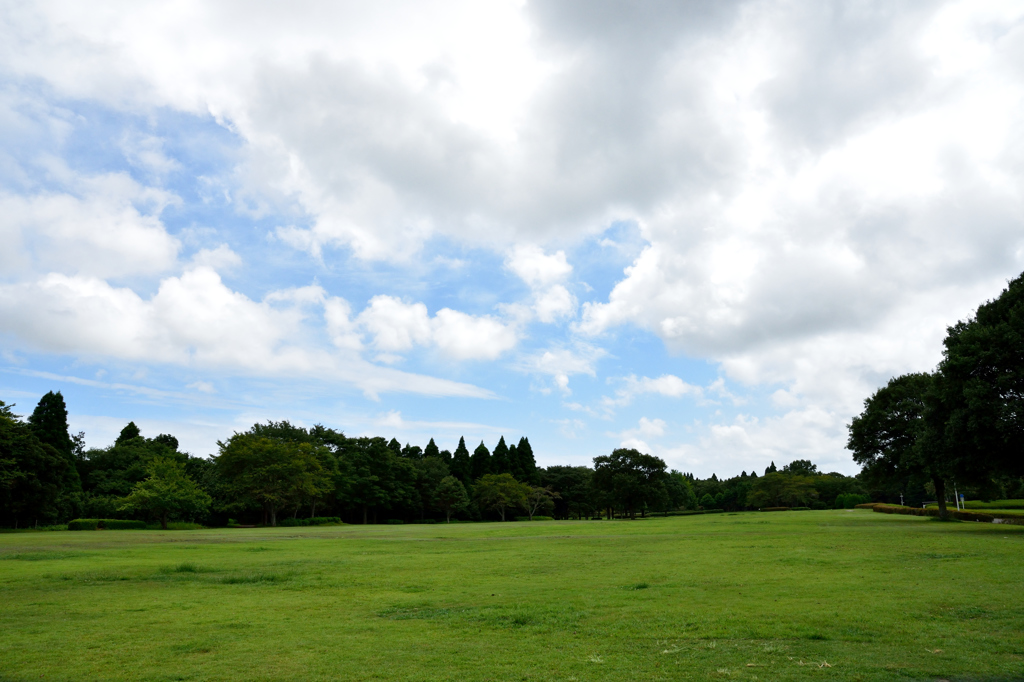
(829, 595)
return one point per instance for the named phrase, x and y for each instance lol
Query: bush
(850, 500)
(799, 509)
(121, 524)
(314, 521)
(84, 524)
(960, 515)
(535, 518)
(426, 521)
(774, 509)
(395, 522)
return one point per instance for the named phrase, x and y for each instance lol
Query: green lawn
(732, 597)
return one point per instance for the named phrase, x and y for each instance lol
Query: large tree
(527, 463)
(501, 492)
(167, 492)
(890, 439)
(776, 489)
(500, 463)
(480, 462)
(271, 472)
(631, 480)
(450, 497)
(33, 476)
(976, 406)
(462, 466)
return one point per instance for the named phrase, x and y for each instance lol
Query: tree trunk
(364, 514)
(312, 513)
(163, 521)
(273, 516)
(448, 517)
(940, 492)
(502, 509)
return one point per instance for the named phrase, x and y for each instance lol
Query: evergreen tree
(431, 450)
(128, 433)
(514, 465)
(395, 446)
(527, 464)
(480, 462)
(499, 458)
(50, 423)
(461, 466)
(771, 469)
(446, 457)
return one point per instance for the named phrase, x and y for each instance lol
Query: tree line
(959, 429)
(277, 472)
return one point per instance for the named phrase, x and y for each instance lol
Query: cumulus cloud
(562, 362)
(104, 226)
(196, 321)
(667, 385)
(398, 326)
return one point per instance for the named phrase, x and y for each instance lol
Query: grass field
(829, 595)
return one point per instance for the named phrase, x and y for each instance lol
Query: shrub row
(107, 524)
(314, 521)
(688, 512)
(535, 518)
(774, 509)
(960, 515)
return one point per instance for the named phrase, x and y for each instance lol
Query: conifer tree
(499, 458)
(461, 466)
(431, 449)
(50, 423)
(480, 462)
(527, 464)
(127, 433)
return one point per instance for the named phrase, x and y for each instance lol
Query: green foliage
(851, 500)
(630, 480)
(38, 483)
(450, 497)
(122, 524)
(273, 472)
(782, 490)
(480, 462)
(167, 492)
(462, 467)
(84, 524)
(314, 521)
(707, 502)
(501, 492)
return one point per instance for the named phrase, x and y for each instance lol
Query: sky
(706, 230)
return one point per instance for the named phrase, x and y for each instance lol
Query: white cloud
(221, 258)
(667, 385)
(468, 337)
(398, 326)
(108, 226)
(196, 321)
(537, 268)
(562, 362)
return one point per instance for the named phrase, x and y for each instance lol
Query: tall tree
(975, 410)
(129, 432)
(32, 476)
(632, 480)
(450, 497)
(527, 463)
(480, 461)
(889, 439)
(167, 492)
(462, 466)
(50, 423)
(776, 489)
(431, 450)
(501, 492)
(499, 458)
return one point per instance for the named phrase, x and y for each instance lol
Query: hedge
(953, 513)
(774, 509)
(106, 524)
(314, 521)
(535, 518)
